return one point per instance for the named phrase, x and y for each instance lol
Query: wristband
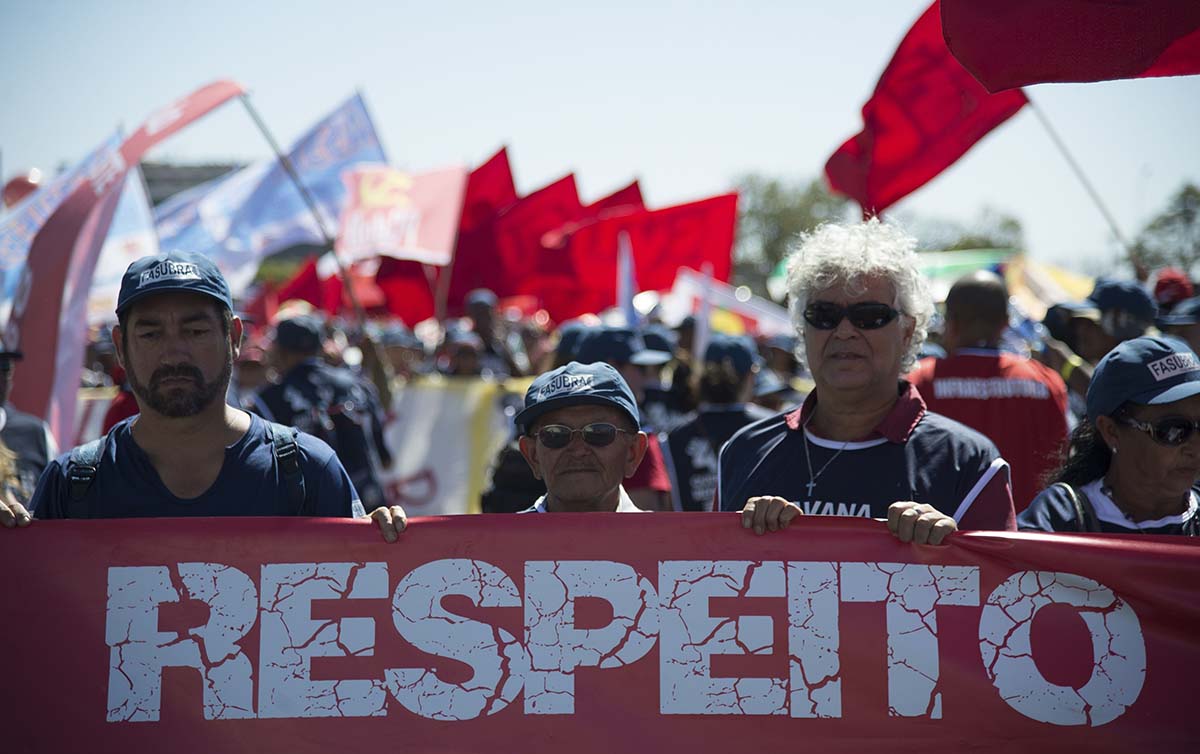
(1069, 366)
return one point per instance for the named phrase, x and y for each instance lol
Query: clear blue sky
(685, 96)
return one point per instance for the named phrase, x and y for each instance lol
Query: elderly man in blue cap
(579, 434)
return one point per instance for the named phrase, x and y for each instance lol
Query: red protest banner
(552, 633)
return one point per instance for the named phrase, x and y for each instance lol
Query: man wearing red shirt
(1018, 403)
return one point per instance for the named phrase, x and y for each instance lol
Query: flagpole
(1087, 185)
(288, 168)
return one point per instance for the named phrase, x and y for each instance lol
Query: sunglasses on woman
(598, 435)
(1171, 430)
(868, 315)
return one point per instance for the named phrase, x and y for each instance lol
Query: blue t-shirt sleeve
(327, 482)
(49, 495)
(1052, 510)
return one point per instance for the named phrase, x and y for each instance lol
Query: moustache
(182, 370)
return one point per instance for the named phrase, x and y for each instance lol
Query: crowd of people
(1084, 422)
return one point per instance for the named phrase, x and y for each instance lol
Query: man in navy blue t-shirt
(188, 453)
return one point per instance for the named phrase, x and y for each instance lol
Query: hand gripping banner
(592, 633)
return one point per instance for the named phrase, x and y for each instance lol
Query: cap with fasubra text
(1146, 371)
(173, 272)
(576, 384)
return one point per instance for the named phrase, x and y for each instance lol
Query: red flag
(1021, 42)
(925, 113)
(489, 189)
(688, 235)
(627, 197)
(406, 291)
(63, 256)
(519, 232)
(304, 285)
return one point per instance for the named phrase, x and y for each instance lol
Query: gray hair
(850, 254)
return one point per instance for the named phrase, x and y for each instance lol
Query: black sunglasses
(1171, 430)
(600, 434)
(868, 315)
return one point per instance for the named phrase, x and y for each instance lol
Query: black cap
(618, 345)
(576, 384)
(175, 271)
(739, 350)
(300, 334)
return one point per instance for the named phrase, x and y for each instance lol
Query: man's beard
(181, 401)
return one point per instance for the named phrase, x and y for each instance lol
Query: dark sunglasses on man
(598, 434)
(1169, 430)
(867, 315)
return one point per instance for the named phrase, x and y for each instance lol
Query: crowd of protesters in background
(1023, 384)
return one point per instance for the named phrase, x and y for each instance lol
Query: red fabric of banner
(592, 633)
(926, 112)
(627, 196)
(1012, 43)
(520, 230)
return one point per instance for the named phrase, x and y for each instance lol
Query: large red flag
(688, 235)
(490, 188)
(520, 230)
(1021, 42)
(63, 257)
(406, 290)
(925, 113)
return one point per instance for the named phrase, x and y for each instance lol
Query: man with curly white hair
(864, 443)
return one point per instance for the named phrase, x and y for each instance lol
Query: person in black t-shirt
(726, 383)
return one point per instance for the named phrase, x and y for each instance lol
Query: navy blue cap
(399, 336)
(659, 338)
(576, 384)
(618, 345)
(482, 296)
(739, 350)
(1185, 313)
(173, 272)
(570, 335)
(1126, 295)
(782, 342)
(1147, 371)
(301, 334)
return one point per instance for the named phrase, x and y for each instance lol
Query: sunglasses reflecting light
(1172, 430)
(598, 435)
(868, 315)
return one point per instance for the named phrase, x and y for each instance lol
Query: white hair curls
(849, 255)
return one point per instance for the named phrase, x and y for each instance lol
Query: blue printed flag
(240, 218)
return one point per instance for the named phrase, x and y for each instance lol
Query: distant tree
(990, 229)
(1173, 237)
(772, 212)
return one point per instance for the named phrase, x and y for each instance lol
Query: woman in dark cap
(1133, 465)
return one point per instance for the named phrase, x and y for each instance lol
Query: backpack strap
(287, 454)
(81, 473)
(1085, 515)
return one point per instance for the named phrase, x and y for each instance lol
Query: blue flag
(240, 218)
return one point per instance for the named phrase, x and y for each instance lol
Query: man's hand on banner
(768, 514)
(919, 523)
(12, 513)
(390, 519)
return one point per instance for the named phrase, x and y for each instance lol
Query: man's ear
(236, 331)
(637, 451)
(528, 448)
(119, 346)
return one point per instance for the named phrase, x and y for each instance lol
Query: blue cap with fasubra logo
(1147, 371)
(173, 272)
(576, 384)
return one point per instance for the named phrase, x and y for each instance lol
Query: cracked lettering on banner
(497, 659)
(1118, 649)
